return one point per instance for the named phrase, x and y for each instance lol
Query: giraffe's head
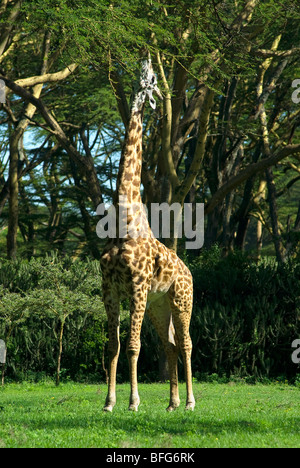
(147, 85)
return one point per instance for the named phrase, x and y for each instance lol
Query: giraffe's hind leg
(181, 302)
(160, 314)
(112, 308)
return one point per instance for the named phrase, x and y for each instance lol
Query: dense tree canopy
(226, 134)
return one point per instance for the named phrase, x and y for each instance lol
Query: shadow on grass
(75, 413)
(153, 426)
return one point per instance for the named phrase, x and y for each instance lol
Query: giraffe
(142, 269)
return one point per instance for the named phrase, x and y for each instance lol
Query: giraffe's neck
(129, 177)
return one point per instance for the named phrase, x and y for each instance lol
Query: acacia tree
(226, 121)
(67, 26)
(232, 143)
(14, 34)
(234, 119)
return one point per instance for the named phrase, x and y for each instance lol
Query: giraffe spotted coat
(142, 269)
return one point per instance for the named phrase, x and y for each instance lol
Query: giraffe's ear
(157, 90)
(152, 101)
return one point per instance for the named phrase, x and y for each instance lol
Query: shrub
(44, 305)
(246, 315)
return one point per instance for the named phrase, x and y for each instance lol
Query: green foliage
(36, 298)
(246, 316)
(106, 39)
(94, 29)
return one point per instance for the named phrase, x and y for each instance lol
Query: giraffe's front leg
(137, 312)
(133, 351)
(113, 315)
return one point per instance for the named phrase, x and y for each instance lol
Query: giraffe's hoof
(190, 407)
(108, 409)
(133, 408)
(173, 407)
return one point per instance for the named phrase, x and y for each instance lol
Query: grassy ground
(226, 415)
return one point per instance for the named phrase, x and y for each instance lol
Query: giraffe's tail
(172, 332)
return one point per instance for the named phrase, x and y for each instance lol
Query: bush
(41, 299)
(246, 315)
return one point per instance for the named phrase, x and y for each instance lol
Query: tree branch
(9, 24)
(118, 89)
(248, 172)
(275, 53)
(200, 148)
(244, 17)
(47, 77)
(167, 128)
(85, 163)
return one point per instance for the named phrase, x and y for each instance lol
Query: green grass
(226, 415)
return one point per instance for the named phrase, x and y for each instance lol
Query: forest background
(226, 134)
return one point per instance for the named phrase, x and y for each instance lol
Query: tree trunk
(274, 216)
(293, 236)
(28, 222)
(60, 347)
(13, 197)
(242, 232)
(3, 374)
(213, 226)
(16, 142)
(89, 231)
(259, 238)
